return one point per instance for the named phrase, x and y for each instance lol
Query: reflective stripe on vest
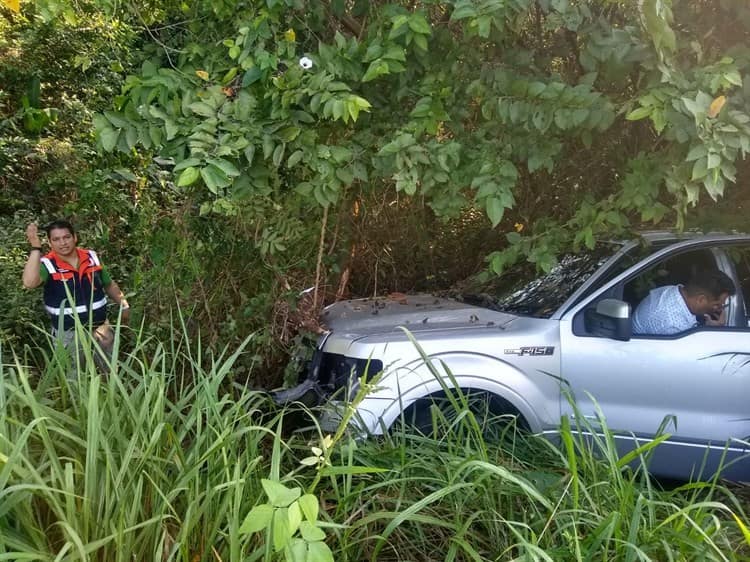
(78, 309)
(48, 264)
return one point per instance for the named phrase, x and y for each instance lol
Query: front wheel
(439, 415)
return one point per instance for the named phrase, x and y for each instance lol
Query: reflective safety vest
(68, 292)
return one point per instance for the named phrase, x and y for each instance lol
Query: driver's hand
(721, 320)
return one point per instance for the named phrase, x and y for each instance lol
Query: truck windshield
(521, 290)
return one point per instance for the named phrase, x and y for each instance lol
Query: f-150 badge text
(542, 350)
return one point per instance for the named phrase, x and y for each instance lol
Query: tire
(436, 415)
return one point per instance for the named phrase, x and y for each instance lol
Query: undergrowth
(163, 459)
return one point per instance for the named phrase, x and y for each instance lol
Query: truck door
(698, 382)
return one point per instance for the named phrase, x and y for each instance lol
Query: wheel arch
(402, 387)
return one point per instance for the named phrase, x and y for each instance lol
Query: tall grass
(162, 459)
(156, 461)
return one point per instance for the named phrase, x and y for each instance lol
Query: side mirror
(610, 319)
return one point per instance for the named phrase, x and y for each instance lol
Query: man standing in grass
(76, 285)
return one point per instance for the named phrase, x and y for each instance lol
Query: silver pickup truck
(530, 347)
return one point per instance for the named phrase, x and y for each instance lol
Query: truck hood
(418, 313)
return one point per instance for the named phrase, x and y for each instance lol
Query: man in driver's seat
(676, 308)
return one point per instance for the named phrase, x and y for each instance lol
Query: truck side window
(675, 270)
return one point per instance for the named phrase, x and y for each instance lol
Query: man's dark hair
(59, 224)
(711, 282)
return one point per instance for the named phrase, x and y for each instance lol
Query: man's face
(708, 304)
(62, 241)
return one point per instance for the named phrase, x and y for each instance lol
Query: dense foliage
(245, 151)
(531, 106)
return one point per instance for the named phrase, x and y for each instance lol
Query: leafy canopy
(565, 118)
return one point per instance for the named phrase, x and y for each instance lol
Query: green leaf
(495, 210)
(399, 26)
(305, 189)
(215, 178)
(251, 76)
(639, 113)
(713, 160)
(188, 176)
(418, 24)
(268, 146)
(579, 116)
(320, 196)
(100, 122)
(319, 552)
(157, 112)
(202, 108)
(508, 170)
(117, 121)
(225, 166)
(309, 505)
(714, 184)
(339, 110)
(250, 153)
(310, 532)
(229, 76)
(353, 109)
(303, 116)
(131, 137)
(281, 532)
(588, 237)
(362, 103)
(359, 171)
(696, 151)
(257, 520)
(278, 494)
(109, 138)
(733, 77)
(345, 175)
(340, 154)
(694, 108)
(154, 134)
(297, 551)
(377, 68)
(278, 154)
(294, 158)
(700, 169)
(125, 174)
(171, 128)
(484, 25)
(186, 164)
(288, 134)
(294, 516)
(463, 11)
(536, 88)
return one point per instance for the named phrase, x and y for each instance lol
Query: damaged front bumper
(329, 383)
